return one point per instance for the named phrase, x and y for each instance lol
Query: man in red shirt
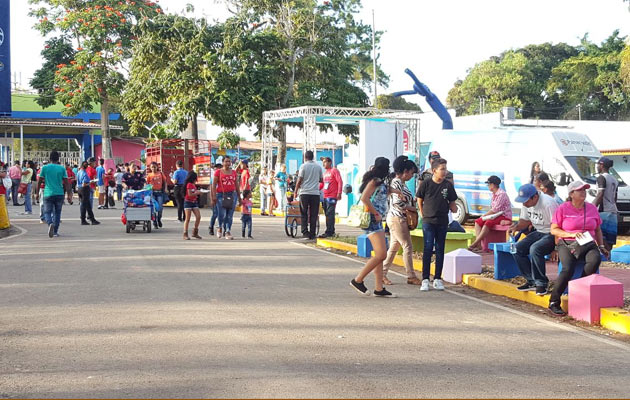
(332, 188)
(91, 172)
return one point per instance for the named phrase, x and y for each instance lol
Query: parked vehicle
(509, 153)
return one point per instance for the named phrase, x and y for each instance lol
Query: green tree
(389, 102)
(515, 78)
(228, 140)
(324, 56)
(593, 79)
(104, 31)
(57, 50)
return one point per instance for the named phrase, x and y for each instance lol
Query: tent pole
(22, 143)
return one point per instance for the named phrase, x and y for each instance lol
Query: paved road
(101, 313)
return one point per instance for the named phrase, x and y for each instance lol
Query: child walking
(191, 205)
(246, 213)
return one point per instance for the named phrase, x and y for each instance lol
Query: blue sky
(438, 40)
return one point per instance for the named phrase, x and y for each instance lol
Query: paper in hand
(586, 238)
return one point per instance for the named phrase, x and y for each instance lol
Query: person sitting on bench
(500, 213)
(537, 210)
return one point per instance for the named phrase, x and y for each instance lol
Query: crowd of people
(570, 231)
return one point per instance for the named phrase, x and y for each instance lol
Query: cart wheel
(294, 228)
(128, 227)
(148, 226)
(286, 226)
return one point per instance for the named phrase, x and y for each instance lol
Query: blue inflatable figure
(435, 103)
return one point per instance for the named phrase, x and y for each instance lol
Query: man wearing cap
(332, 187)
(606, 201)
(537, 211)
(500, 212)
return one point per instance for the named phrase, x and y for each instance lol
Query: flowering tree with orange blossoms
(104, 31)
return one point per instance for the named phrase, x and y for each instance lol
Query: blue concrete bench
(505, 266)
(364, 246)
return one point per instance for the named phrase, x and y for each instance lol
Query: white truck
(508, 152)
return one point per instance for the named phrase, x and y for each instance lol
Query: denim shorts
(190, 204)
(374, 226)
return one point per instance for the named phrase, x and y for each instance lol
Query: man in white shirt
(307, 187)
(537, 211)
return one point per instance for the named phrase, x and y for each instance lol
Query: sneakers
(384, 293)
(55, 235)
(425, 285)
(84, 222)
(160, 223)
(211, 231)
(228, 236)
(526, 287)
(360, 287)
(556, 309)
(51, 230)
(250, 236)
(95, 222)
(541, 290)
(99, 207)
(438, 284)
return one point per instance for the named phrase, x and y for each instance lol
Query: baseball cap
(526, 192)
(494, 179)
(607, 162)
(434, 154)
(578, 185)
(326, 159)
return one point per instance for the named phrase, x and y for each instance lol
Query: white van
(509, 153)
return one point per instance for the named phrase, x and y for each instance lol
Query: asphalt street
(101, 313)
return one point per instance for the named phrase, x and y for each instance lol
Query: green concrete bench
(454, 240)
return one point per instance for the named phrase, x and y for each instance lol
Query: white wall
(378, 139)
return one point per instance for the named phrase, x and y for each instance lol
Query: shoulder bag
(228, 198)
(412, 219)
(574, 247)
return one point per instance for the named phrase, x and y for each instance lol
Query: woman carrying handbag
(575, 222)
(401, 211)
(225, 193)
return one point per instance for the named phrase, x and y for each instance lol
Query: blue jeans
(159, 199)
(246, 219)
(52, 209)
(434, 235)
(282, 192)
(28, 206)
(537, 245)
(215, 214)
(225, 214)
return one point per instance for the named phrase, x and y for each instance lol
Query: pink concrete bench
(587, 295)
(497, 234)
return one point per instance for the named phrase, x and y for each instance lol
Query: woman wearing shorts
(191, 205)
(374, 191)
(500, 203)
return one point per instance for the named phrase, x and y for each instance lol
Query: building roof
(250, 145)
(48, 126)
(616, 152)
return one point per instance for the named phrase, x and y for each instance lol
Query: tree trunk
(282, 144)
(106, 146)
(193, 128)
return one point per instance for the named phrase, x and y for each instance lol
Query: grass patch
(346, 239)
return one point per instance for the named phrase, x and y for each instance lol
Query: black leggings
(591, 257)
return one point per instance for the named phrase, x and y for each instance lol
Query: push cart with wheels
(293, 219)
(138, 210)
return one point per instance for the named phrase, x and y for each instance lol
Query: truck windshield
(586, 167)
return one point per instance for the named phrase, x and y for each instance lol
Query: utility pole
(579, 107)
(374, 57)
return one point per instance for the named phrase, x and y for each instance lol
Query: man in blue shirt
(102, 190)
(179, 178)
(56, 179)
(85, 193)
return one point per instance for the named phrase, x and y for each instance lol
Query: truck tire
(461, 215)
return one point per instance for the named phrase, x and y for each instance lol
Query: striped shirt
(397, 202)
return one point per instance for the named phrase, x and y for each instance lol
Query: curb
(615, 319)
(352, 248)
(506, 289)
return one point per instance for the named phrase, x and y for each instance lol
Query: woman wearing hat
(576, 219)
(500, 213)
